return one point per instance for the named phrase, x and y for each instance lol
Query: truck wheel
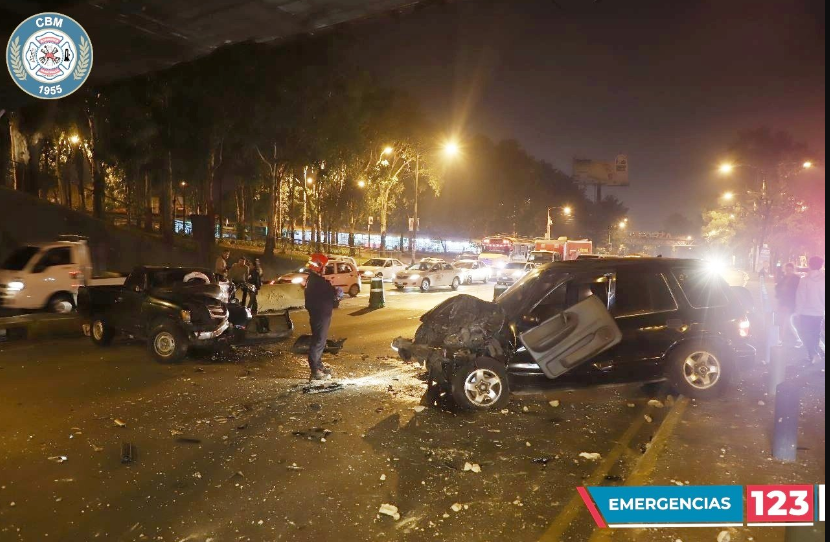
(481, 385)
(61, 303)
(101, 333)
(425, 285)
(698, 370)
(455, 283)
(167, 344)
(354, 290)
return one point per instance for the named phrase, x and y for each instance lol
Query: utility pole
(414, 235)
(547, 231)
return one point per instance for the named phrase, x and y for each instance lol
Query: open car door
(577, 334)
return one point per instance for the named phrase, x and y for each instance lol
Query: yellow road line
(645, 466)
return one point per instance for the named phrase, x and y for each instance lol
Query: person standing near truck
(238, 274)
(221, 265)
(320, 297)
(785, 290)
(255, 281)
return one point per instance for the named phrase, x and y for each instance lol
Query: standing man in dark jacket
(785, 295)
(255, 280)
(320, 296)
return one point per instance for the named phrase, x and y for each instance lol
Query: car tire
(379, 276)
(455, 283)
(425, 285)
(57, 303)
(354, 290)
(100, 333)
(481, 385)
(167, 343)
(698, 370)
(468, 280)
(399, 288)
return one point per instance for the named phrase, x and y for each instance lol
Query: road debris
(761, 403)
(58, 458)
(554, 403)
(474, 467)
(315, 433)
(724, 536)
(323, 388)
(590, 456)
(382, 477)
(655, 403)
(630, 405)
(456, 507)
(542, 460)
(389, 510)
(419, 408)
(128, 453)
(648, 418)
(119, 422)
(189, 440)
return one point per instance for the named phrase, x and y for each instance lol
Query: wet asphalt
(233, 449)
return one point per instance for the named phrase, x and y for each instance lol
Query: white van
(47, 276)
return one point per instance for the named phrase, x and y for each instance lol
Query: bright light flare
(726, 168)
(310, 180)
(728, 196)
(567, 211)
(361, 183)
(451, 149)
(807, 164)
(74, 139)
(387, 150)
(622, 225)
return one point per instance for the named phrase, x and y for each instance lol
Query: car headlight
(297, 280)
(16, 286)
(517, 274)
(414, 277)
(499, 265)
(185, 316)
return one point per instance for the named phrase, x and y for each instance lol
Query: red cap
(318, 260)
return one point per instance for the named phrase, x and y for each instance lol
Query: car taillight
(743, 327)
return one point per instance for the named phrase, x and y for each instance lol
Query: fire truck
(555, 250)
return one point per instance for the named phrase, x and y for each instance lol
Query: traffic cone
(376, 299)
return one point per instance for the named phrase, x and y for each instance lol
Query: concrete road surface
(233, 449)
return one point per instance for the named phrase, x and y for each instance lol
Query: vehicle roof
(466, 261)
(620, 261)
(172, 267)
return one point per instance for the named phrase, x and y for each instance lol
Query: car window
(398, 263)
(53, 257)
(554, 303)
(329, 269)
(702, 288)
(18, 259)
(344, 268)
(448, 267)
(373, 263)
(436, 267)
(135, 279)
(641, 293)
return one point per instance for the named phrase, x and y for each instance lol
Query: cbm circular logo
(49, 56)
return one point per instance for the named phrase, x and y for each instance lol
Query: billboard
(604, 172)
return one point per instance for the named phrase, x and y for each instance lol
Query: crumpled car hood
(463, 321)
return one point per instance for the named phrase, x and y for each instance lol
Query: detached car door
(571, 337)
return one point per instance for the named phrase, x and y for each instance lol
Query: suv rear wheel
(455, 283)
(698, 370)
(481, 385)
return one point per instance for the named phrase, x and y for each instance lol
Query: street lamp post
(566, 210)
(413, 237)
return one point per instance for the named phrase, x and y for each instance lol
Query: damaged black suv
(595, 321)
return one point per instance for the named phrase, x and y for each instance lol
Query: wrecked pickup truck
(175, 309)
(593, 321)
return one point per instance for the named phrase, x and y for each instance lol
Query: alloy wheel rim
(98, 330)
(164, 344)
(483, 387)
(701, 370)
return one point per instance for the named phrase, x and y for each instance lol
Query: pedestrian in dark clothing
(785, 290)
(255, 280)
(320, 296)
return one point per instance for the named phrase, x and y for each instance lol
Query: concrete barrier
(40, 326)
(278, 297)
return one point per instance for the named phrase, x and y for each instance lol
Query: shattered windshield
(529, 289)
(422, 266)
(374, 263)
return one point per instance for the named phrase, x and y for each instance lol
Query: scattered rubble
(648, 418)
(58, 458)
(474, 467)
(389, 510)
(554, 403)
(655, 403)
(119, 422)
(590, 456)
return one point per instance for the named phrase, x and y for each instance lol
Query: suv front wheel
(167, 343)
(698, 370)
(481, 385)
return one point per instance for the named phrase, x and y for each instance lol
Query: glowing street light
(622, 225)
(807, 164)
(726, 168)
(451, 149)
(387, 150)
(310, 180)
(361, 183)
(728, 196)
(74, 139)
(567, 211)
(183, 183)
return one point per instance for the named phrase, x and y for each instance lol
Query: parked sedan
(340, 274)
(428, 273)
(385, 268)
(472, 270)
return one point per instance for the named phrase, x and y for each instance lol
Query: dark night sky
(670, 83)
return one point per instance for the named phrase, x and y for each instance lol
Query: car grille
(216, 311)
